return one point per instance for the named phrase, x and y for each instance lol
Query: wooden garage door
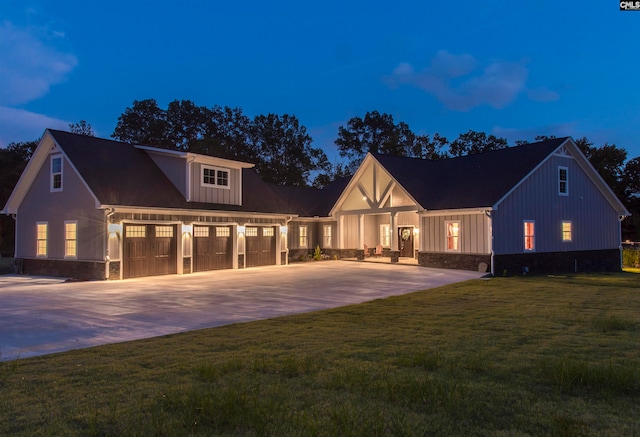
(149, 250)
(261, 246)
(212, 248)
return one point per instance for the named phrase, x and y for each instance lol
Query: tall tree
(82, 128)
(472, 142)
(285, 151)
(376, 133)
(227, 135)
(144, 123)
(186, 124)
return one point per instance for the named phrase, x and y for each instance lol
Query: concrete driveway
(46, 315)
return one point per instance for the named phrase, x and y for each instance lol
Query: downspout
(490, 238)
(620, 219)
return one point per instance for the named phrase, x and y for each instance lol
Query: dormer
(201, 178)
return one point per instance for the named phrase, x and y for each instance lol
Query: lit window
(164, 231)
(326, 235)
(56, 173)
(216, 177)
(529, 235)
(223, 231)
(385, 235)
(267, 232)
(70, 239)
(135, 231)
(563, 181)
(252, 232)
(303, 237)
(453, 235)
(200, 231)
(41, 239)
(566, 231)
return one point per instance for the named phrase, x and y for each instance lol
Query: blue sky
(514, 69)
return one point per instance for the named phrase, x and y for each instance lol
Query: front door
(405, 241)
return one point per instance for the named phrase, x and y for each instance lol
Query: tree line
(283, 151)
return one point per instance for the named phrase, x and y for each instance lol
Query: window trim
(216, 170)
(532, 236)
(560, 181)
(52, 174)
(305, 236)
(385, 236)
(327, 237)
(565, 232)
(46, 240)
(75, 240)
(457, 236)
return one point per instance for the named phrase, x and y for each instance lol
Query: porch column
(392, 231)
(360, 231)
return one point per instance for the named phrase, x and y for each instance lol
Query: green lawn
(503, 356)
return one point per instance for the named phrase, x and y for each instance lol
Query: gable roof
(472, 181)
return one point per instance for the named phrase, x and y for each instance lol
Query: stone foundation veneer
(81, 270)
(114, 270)
(458, 261)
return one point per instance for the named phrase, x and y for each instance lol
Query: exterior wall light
(284, 229)
(187, 229)
(241, 230)
(114, 228)
(416, 231)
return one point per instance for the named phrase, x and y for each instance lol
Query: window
(385, 235)
(326, 236)
(267, 232)
(164, 231)
(303, 237)
(135, 231)
(223, 231)
(453, 235)
(529, 235)
(56, 173)
(566, 231)
(216, 177)
(70, 239)
(200, 231)
(41, 239)
(563, 181)
(252, 232)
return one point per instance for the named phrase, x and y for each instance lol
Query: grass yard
(504, 356)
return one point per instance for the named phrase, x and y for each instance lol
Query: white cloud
(18, 125)
(459, 84)
(542, 94)
(29, 65)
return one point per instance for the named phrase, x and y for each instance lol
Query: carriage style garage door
(212, 248)
(261, 246)
(149, 250)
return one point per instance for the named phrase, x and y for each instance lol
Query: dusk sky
(515, 69)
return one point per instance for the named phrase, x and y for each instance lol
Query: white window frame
(303, 237)
(567, 235)
(327, 239)
(45, 239)
(385, 235)
(67, 253)
(561, 181)
(527, 236)
(455, 238)
(216, 170)
(52, 176)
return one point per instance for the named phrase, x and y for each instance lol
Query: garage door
(149, 250)
(212, 248)
(261, 246)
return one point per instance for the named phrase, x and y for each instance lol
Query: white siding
(474, 233)
(230, 196)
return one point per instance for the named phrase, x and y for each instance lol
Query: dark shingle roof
(121, 174)
(470, 181)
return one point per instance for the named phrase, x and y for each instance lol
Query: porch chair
(366, 251)
(378, 251)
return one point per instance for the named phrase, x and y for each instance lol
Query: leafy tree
(82, 128)
(472, 142)
(144, 123)
(186, 124)
(227, 135)
(333, 172)
(376, 133)
(429, 148)
(285, 151)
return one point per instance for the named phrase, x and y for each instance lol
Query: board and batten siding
(175, 168)
(474, 233)
(594, 221)
(230, 196)
(73, 203)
